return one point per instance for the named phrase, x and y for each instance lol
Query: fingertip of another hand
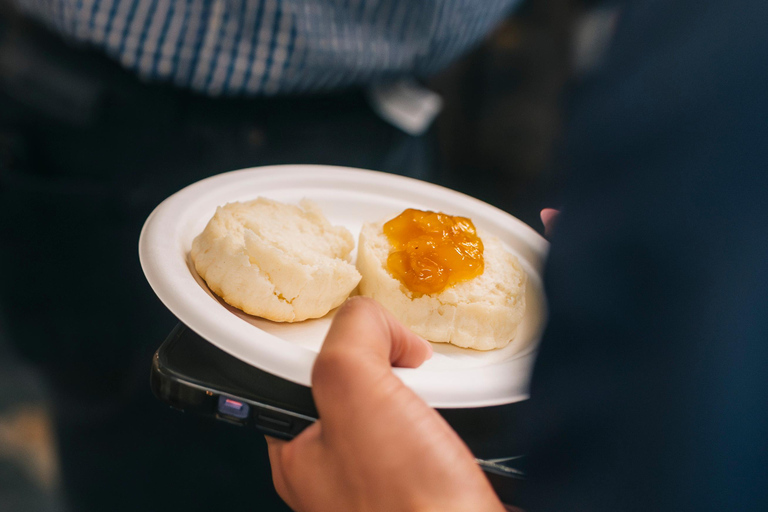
(548, 215)
(548, 218)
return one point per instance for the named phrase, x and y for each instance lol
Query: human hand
(377, 445)
(548, 218)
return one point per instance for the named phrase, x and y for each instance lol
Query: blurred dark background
(495, 139)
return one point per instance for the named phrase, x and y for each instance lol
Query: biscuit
(482, 313)
(278, 261)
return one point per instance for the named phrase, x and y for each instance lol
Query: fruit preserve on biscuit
(432, 251)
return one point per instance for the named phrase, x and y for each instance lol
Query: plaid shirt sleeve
(263, 47)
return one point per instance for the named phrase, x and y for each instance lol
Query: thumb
(364, 328)
(362, 345)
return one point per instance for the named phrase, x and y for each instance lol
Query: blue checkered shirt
(256, 47)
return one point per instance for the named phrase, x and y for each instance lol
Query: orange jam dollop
(432, 251)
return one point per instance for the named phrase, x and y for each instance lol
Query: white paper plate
(453, 378)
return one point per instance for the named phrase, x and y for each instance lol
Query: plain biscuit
(278, 261)
(482, 313)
